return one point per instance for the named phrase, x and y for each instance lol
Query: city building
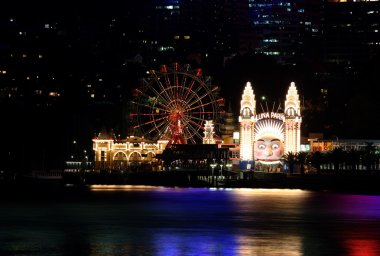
(216, 29)
(352, 30)
(286, 29)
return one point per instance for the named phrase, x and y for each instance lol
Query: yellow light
(269, 163)
(120, 187)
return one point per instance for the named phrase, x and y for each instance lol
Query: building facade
(266, 137)
(114, 154)
(352, 30)
(286, 29)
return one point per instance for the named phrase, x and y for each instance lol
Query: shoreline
(358, 183)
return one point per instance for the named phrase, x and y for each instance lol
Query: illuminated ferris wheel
(174, 103)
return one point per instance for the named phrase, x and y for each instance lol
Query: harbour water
(150, 220)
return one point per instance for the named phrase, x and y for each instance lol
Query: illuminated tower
(292, 120)
(209, 133)
(247, 123)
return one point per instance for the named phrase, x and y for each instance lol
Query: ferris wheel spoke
(204, 104)
(190, 126)
(189, 136)
(193, 126)
(203, 112)
(207, 92)
(194, 93)
(189, 89)
(183, 86)
(195, 123)
(157, 99)
(164, 129)
(200, 97)
(194, 130)
(159, 126)
(150, 122)
(169, 85)
(158, 95)
(176, 85)
(172, 93)
(150, 107)
(162, 88)
(195, 118)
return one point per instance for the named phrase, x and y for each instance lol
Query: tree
(290, 158)
(369, 155)
(301, 159)
(353, 159)
(337, 156)
(316, 160)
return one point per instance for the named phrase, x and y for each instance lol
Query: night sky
(84, 48)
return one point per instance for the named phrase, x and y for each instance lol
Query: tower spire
(247, 122)
(293, 120)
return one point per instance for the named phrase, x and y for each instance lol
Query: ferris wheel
(174, 102)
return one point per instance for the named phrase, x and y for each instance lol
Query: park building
(265, 137)
(122, 154)
(325, 145)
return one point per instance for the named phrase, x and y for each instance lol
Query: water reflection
(141, 220)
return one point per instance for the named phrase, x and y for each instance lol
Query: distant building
(229, 127)
(324, 145)
(352, 30)
(111, 153)
(286, 29)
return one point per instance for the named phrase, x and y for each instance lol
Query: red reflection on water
(362, 247)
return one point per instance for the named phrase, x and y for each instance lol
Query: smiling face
(268, 149)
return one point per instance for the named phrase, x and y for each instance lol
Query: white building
(267, 136)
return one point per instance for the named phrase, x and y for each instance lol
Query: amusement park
(181, 124)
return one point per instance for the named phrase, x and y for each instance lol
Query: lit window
(176, 37)
(186, 37)
(54, 94)
(40, 56)
(89, 86)
(24, 55)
